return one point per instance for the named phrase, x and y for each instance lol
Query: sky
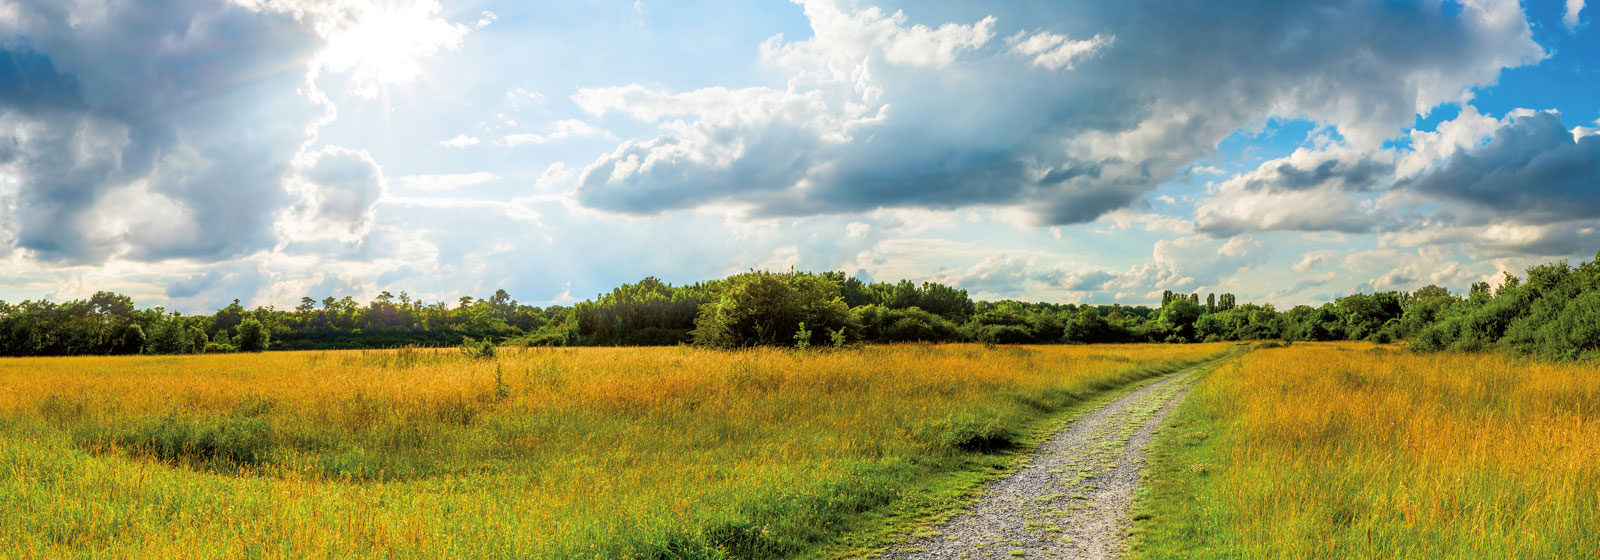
(190, 152)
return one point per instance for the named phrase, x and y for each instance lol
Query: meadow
(1354, 450)
(667, 452)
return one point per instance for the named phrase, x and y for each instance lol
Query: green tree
(133, 339)
(253, 336)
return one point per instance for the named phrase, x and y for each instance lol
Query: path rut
(1071, 497)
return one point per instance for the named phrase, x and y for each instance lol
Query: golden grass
(585, 452)
(1350, 450)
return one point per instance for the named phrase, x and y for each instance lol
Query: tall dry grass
(1350, 450)
(639, 452)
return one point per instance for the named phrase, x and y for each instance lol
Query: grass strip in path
(1068, 499)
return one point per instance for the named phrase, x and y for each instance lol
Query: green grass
(586, 453)
(1349, 450)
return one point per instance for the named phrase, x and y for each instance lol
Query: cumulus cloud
(1186, 264)
(172, 128)
(1311, 190)
(1570, 17)
(1393, 269)
(994, 276)
(338, 191)
(1190, 264)
(1065, 121)
(1471, 171)
(91, 111)
(1533, 169)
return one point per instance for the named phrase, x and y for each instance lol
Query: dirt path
(1071, 497)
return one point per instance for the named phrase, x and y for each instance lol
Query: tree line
(1554, 312)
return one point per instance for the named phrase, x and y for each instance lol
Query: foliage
(483, 349)
(253, 336)
(767, 309)
(1549, 315)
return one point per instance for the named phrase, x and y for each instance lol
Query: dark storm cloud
(155, 129)
(1532, 170)
(1159, 85)
(1363, 174)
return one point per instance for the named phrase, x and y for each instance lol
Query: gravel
(1070, 499)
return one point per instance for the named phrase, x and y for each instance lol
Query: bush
(477, 349)
(220, 348)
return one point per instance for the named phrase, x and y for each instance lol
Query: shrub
(477, 349)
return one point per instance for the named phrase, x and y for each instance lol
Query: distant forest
(1554, 312)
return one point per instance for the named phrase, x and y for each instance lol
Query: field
(1351, 450)
(621, 452)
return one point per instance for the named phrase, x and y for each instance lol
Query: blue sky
(189, 152)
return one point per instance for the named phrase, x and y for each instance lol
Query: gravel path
(1071, 498)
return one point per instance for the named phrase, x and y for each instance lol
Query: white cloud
(562, 129)
(553, 175)
(519, 97)
(338, 190)
(1306, 190)
(1570, 18)
(783, 259)
(436, 183)
(1314, 259)
(1054, 51)
(856, 229)
(879, 113)
(486, 18)
(460, 141)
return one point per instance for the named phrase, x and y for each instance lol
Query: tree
(253, 336)
(169, 335)
(133, 339)
(766, 309)
(1178, 318)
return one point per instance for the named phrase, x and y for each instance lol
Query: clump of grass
(976, 432)
(225, 444)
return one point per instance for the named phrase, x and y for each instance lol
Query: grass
(543, 453)
(1350, 450)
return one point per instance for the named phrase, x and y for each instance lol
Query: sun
(387, 43)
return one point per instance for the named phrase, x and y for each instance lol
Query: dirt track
(1071, 497)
